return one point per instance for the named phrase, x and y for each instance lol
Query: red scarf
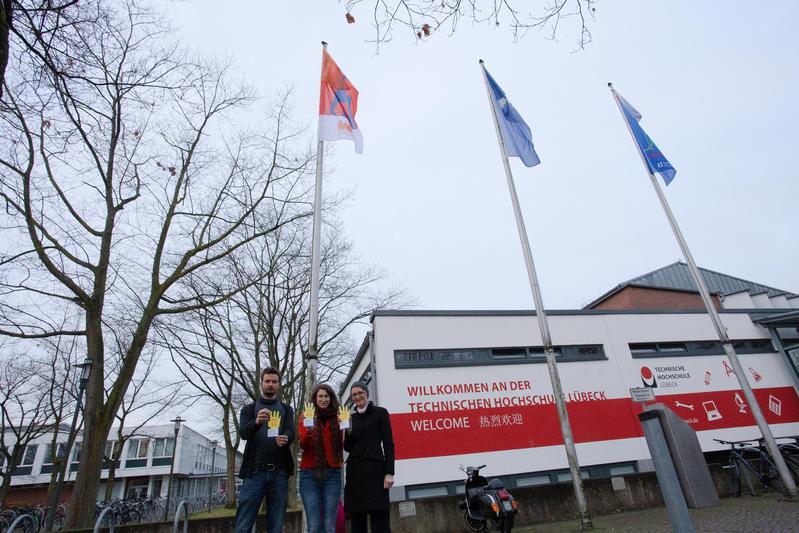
(327, 416)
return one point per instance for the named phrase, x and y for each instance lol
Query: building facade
(143, 468)
(472, 387)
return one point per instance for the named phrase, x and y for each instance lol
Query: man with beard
(268, 427)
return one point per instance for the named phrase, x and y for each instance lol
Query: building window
(25, 467)
(643, 350)
(202, 459)
(111, 452)
(29, 455)
(429, 492)
(507, 354)
(137, 448)
(111, 448)
(49, 458)
(532, 481)
(672, 347)
(621, 470)
(538, 353)
(402, 358)
(567, 476)
(589, 350)
(137, 453)
(137, 488)
(458, 356)
(164, 447)
(495, 356)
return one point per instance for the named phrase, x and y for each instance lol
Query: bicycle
(789, 451)
(6, 517)
(32, 525)
(749, 461)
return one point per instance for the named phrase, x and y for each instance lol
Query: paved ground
(767, 513)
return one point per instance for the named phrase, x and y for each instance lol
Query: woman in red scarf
(322, 456)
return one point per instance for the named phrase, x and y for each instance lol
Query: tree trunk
(109, 487)
(84, 495)
(6, 477)
(97, 420)
(231, 477)
(56, 460)
(6, 9)
(292, 499)
(16, 458)
(99, 415)
(53, 478)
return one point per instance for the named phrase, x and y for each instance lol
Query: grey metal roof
(677, 277)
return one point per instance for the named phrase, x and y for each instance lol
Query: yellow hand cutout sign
(343, 415)
(274, 419)
(308, 412)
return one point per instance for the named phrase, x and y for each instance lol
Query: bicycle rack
(182, 505)
(21, 518)
(99, 522)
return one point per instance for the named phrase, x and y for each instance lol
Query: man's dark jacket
(248, 427)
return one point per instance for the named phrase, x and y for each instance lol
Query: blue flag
(655, 160)
(515, 132)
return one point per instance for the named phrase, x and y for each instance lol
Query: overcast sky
(716, 84)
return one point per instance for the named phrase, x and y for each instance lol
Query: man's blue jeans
(320, 499)
(273, 485)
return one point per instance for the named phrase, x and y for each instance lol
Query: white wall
(427, 454)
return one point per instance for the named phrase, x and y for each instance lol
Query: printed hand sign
(343, 418)
(273, 424)
(308, 414)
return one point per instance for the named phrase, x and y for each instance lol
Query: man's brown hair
(270, 370)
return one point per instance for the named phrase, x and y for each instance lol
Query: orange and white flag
(338, 103)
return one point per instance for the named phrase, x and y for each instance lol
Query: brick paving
(767, 513)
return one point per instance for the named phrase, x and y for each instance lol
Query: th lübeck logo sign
(648, 377)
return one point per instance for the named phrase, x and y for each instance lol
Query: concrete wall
(537, 505)
(546, 503)
(293, 524)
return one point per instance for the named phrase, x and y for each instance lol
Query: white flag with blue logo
(516, 134)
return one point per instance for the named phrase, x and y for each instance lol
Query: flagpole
(313, 314)
(721, 330)
(554, 377)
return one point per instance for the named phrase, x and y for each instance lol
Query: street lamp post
(213, 465)
(64, 465)
(177, 422)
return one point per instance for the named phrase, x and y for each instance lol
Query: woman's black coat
(370, 445)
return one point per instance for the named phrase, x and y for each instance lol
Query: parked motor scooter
(487, 503)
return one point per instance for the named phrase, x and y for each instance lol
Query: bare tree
(201, 349)
(124, 179)
(221, 350)
(29, 26)
(422, 18)
(145, 399)
(23, 413)
(25, 22)
(61, 395)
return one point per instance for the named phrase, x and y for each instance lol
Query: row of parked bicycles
(127, 511)
(36, 522)
(750, 464)
(132, 510)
